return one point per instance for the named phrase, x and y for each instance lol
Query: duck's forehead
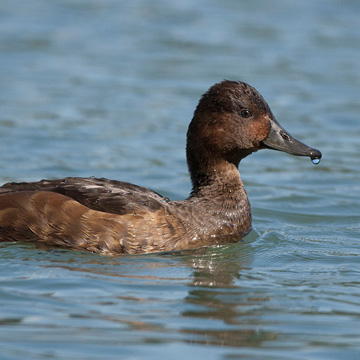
(234, 87)
(240, 94)
(249, 94)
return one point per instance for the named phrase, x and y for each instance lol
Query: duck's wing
(105, 195)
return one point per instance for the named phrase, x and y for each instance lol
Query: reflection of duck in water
(222, 291)
(231, 121)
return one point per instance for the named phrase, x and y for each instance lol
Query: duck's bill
(279, 139)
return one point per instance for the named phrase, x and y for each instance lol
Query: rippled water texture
(107, 88)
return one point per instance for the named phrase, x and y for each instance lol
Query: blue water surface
(107, 88)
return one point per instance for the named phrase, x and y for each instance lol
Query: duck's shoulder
(100, 194)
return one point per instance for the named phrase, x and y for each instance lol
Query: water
(315, 161)
(107, 88)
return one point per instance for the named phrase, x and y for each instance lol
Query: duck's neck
(220, 200)
(220, 184)
(220, 179)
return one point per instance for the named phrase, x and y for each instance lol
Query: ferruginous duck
(231, 121)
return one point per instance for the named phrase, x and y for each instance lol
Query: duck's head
(231, 121)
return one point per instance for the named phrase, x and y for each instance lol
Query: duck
(110, 217)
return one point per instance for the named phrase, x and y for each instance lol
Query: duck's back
(99, 215)
(110, 196)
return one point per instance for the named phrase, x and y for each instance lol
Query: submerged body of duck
(231, 121)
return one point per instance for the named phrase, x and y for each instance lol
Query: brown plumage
(231, 121)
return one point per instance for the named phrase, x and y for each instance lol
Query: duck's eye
(245, 113)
